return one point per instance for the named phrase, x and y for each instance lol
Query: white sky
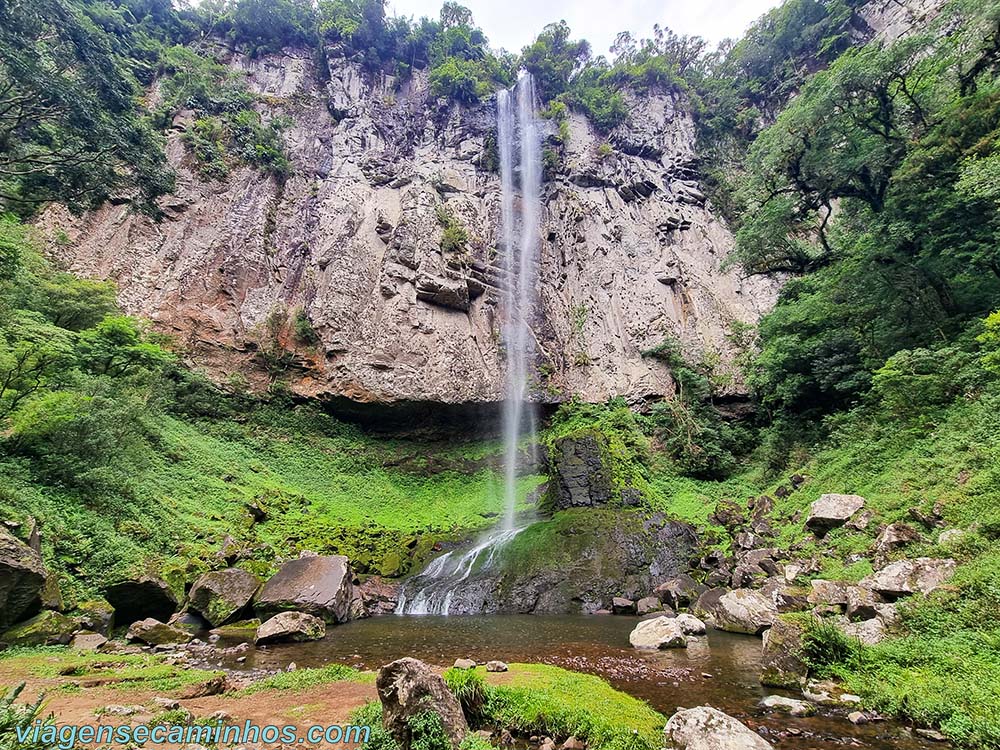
(512, 24)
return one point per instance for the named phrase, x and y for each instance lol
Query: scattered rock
(679, 591)
(706, 728)
(729, 515)
(213, 686)
(893, 537)
(857, 717)
(290, 626)
(47, 628)
(220, 595)
(931, 734)
(905, 577)
(690, 625)
(156, 633)
(408, 687)
(622, 606)
(658, 633)
(22, 576)
(496, 666)
(141, 598)
(572, 743)
(119, 710)
(744, 611)
(862, 603)
(167, 704)
(96, 615)
(950, 537)
(869, 632)
(648, 604)
(788, 705)
(86, 640)
(831, 511)
(781, 662)
(828, 693)
(319, 586)
(828, 592)
(465, 664)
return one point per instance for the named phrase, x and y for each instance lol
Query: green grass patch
(538, 698)
(303, 679)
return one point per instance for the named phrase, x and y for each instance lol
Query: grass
(132, 672)
(325, 487)
(303, 679)
(537, 698)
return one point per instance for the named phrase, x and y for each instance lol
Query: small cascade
(519, 145)
(435, 587)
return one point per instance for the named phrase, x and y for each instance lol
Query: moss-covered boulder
(222, 595)
(141, 598)
(781, 661)
(292, 627)
(49, 628)
(22, 576)
(95, 615)
(157, 633)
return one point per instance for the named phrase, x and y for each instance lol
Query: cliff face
(631, 255)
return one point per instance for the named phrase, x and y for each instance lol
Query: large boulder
(706, 728)
(658, 633)
(320, 586)
(22, 576)
(831, 511)
(781, 663)
(157, 633)
(408, 687)
(47, 628)
(905, 577)
(95, 615)
(290, 626)
(221, 595)
(744, 611)
(141, 598)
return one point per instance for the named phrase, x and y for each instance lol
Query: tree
(270, 25)
(117, 347)
(553, 59)
(70, 128)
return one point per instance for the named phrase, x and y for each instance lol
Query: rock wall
(631, 253)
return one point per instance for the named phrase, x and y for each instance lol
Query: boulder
(141, 598)
(744, 611)
(828, 592)
(951, 537)
(47, 628)
(868, 632)
(905, 577)
(788, 705)
(96, 615)
(22, 576)
(690, 625)
(781, 662)
(862, 603)
(376, 596)
(86, 640)
(754, 566)
(729, 515)
(496, 666)
(831, 511)
(464, 664)
(622, 606)
(706, 728)
(658, 633)
(221, 595)
(189, 621)
(408, 687)
(156, 633)
(679, 591)
(319, 586)
(648, 604)
(892, 537)
(290, 626)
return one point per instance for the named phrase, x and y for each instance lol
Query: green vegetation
(540, 699)
(303, 679)
(454, 236)
(15, 717)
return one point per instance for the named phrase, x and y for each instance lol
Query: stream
(595, 645)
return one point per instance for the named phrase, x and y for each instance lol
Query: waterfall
(519, 145)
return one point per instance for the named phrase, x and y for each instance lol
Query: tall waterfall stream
(519, 142)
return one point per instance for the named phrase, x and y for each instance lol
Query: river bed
(720, 670)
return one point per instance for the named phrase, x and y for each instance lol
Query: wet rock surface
(22, 575)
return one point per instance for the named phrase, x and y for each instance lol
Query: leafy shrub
(16, 717)
(825, 646)
(454, 237)
(370, 715)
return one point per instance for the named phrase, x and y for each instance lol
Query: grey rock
(156, 633)
(706, 728)
(495, 665)
(658, 633)
(86, 640)
(464, 664)
(582, 471)
(408, 687)
(905, 577)
(290, 626)
(781, 659)
(622, 606)
(320, 586)
(221, 595)
(648, 604)
(744, 611)
(22, 576)
(831, 511)
(690, 625)
(788, 705)
(892, 538)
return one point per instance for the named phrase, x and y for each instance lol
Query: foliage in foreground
(15, 717)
